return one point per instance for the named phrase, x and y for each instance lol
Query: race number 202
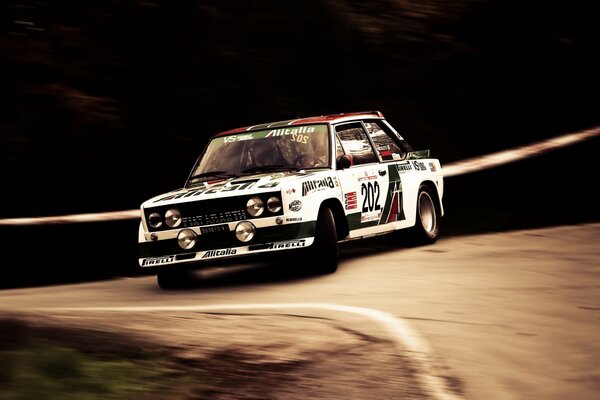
(370, 193)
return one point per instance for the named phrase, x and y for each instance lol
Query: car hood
(259, 183)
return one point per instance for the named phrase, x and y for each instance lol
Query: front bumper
(163, 253)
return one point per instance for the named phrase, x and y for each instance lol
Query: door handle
(382, 172)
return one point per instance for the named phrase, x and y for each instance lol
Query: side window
(355, 143)
(385, 144)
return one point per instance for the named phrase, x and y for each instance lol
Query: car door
(364, 183)
(392, 151)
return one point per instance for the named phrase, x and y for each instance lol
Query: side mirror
(343, 162)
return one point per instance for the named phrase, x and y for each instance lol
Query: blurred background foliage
(108, 102)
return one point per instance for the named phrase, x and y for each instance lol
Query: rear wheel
(324, 253)
(427, 228)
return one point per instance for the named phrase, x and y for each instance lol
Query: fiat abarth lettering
(294, 189)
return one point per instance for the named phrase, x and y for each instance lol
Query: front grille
(202, 217)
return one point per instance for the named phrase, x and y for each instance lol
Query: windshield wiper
(217, 174)
(269, 168)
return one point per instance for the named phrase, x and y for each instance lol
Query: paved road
(512, 315)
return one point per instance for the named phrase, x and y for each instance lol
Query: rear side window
(383, 139)
(355, 143)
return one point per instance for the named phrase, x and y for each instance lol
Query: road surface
(511, 315)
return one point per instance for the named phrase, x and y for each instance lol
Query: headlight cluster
(172, 219)
(244, 231)
(255, 206)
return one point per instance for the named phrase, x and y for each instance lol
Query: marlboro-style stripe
(393, 215)
(392, 210)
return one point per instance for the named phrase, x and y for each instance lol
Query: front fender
(303, 199)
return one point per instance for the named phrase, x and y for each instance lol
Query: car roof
(331, 118)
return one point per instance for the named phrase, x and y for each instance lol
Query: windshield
(277, 149)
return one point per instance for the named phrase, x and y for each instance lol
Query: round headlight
(173, 218)
(155, 220)
(245, 231)
(274, 204)
(255, 206)
(186, 239)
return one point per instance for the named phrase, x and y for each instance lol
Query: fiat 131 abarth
(296, 189)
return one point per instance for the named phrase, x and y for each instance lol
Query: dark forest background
(105, 103)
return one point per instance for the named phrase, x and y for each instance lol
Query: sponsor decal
(212, 189)
(217, 253)
(432, 167)
(269, 185)
(403, 166)
(291, 131)
(419, 165)
(293, 219)
(367, 177)
(295, 205)
(350, 201)
(370, 216)
(157, 261)
(236, 138)
(316, 185)
(287, 244)
(290, 191)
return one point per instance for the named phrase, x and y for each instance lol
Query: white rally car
(294, 189)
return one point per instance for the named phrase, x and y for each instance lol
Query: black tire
(173, 279)
(324, 253)
(427, 224)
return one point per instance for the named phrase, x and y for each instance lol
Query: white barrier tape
(452, 169)
(507, 156)
(65, 219)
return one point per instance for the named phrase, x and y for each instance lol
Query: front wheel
(427, 225)
(324, 253)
